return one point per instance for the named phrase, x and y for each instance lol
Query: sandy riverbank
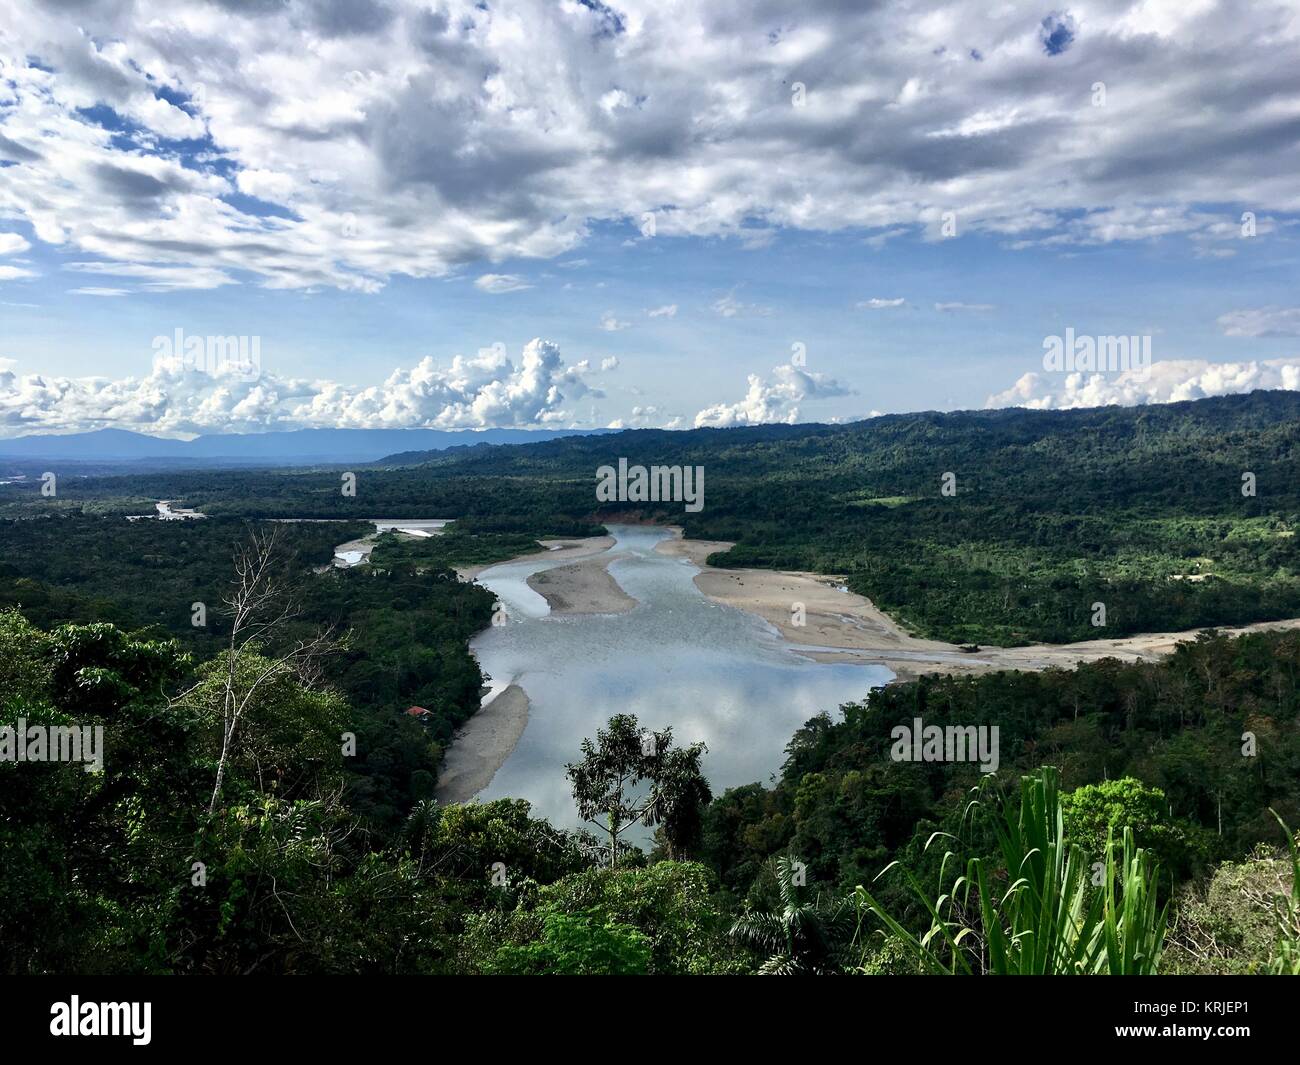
(584, 587)
(840, 626)
(481, 746)
(583, 547)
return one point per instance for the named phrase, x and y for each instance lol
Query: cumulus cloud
(12, 243)
(774, 401)
(182, 395)
(1262, 322)
(309, 145)
(612, 324)
(877, 303)
(647, 417)
(1168, 381)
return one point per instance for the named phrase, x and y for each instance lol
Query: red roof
(416, 711)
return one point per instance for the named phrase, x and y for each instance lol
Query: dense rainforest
(145, 867)
(403, 630)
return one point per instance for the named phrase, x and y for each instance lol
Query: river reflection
(711, 672)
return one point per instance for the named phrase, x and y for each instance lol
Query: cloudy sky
(418, 212)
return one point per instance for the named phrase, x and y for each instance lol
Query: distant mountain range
(295, 448)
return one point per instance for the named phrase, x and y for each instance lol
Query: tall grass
(1036, 910)
(1286, 961)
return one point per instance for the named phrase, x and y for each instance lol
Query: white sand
(859, 632)
(584, 587)
(579, 548)
(481, 746)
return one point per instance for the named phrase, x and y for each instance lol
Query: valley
(473, 656)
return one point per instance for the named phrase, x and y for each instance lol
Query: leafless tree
(259, 608)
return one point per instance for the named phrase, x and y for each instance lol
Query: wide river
(711, 672)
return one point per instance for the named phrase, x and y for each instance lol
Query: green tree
(1096, 813)
(577, 944)
(805, 937)
(632, 776)
(671, 904)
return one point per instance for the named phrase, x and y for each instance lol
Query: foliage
(577, 944)
(1286, 962)
(668, 905)
(1230, 923)
(605, 784)
(1095, 813)
(1035, 912)
(403, 632)
(803, 936)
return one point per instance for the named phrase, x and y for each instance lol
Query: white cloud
(340, 144)
(498, 283)
(93, 290)
(668, 310)
(878, 240)
(957, 308)
(612, 324)
(15, 273)
(159, 278)
(12, 243)
(1262, 322)
(647, 417)
(877, 303)
(487, 389)
(1168, 381)
(777, 401)
(730, 307)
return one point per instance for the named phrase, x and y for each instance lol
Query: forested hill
(1006, 445)
(1174, 516)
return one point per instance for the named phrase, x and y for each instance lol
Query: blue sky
(416, 184)
(801, 288)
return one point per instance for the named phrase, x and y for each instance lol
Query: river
(713, 673)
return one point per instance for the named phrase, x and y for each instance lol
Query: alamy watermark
(919, 742)
(53, 743)
(78, 1018)
(657, 484)
(220, 356)
(1081, 353)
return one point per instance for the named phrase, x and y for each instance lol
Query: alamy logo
(658, 484)
(1092, 354)
(920, 742)
(221, 356)
(53, 743)
(103, 1018)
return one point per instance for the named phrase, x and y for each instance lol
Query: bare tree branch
(259, 608)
